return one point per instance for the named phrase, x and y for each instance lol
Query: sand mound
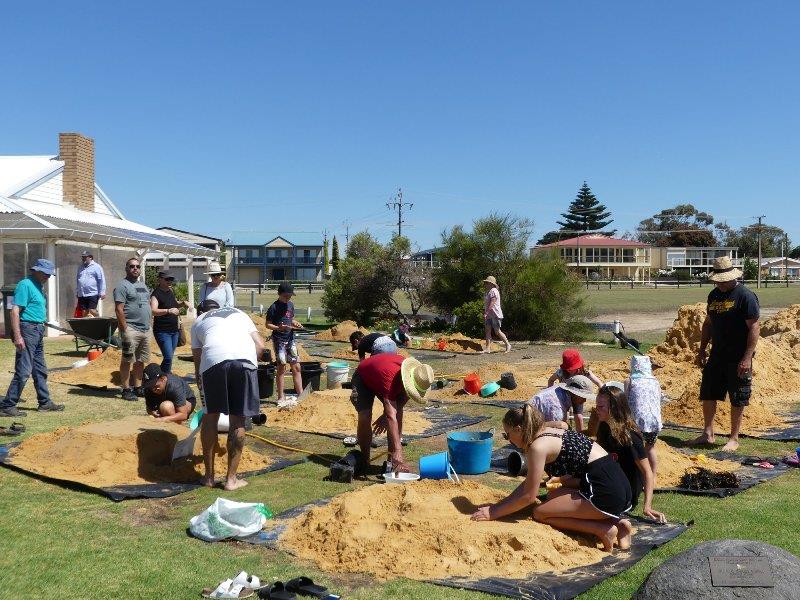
(347, 354)
(786, 320)
(455, 342)
(788, 342)
(104, 371)
(330, 411)
(683, 338)
(530, 380)
(423, 529)
(133, 450)
(340, 332)
(672, 464)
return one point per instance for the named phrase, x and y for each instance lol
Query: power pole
(397, 203)
(758, 280)
(346, 235)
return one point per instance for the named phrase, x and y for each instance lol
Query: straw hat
(214, 268)
(724, 270)
(491, 279)
(417, 378)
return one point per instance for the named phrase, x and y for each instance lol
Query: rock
(687, 575)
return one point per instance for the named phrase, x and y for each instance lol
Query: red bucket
(472, 383)
(93, 354)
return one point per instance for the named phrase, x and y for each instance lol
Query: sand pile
(672, 464)
(683, 338)
(104, 371)
(530, 380)
(788, 342)
(455, 342)
(785, 320)
(347, 354)
(134, 450)
(687, 410)
(423, 530)
(330, 411)
(340, 332)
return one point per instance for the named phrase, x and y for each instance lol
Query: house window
(628, 255)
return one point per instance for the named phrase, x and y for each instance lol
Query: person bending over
(167, 396)
(374, 343)
(556, 401)
(594, 494)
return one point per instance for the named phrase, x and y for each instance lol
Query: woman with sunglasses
(166, 325)
(217, 289)
(594, 494)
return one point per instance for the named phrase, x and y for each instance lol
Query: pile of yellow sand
(104, 371)
(423, 530)
(330, 411)
(688, 410)
(340, 332)
(672, 464)
(348, 354)
(530, 380)
(783, 321)
(455, 342)
(134, 450)
(683, 339)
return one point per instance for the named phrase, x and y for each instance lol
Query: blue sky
(295, 117)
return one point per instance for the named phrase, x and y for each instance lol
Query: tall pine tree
(585, 213)
(335, 254)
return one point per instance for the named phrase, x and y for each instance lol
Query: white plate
(400, 477)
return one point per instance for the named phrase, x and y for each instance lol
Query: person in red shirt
(394, 380)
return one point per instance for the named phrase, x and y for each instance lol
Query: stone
(687, 575)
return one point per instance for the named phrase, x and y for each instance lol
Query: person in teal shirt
(28, 317)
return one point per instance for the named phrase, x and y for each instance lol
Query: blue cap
(44, 266)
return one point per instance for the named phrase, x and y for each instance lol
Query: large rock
(687, 575)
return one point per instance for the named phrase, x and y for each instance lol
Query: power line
(397, 203)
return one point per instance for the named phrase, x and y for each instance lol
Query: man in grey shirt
(132, 306)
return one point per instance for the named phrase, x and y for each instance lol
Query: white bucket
(337, 372)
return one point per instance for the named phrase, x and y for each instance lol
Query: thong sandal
(306, 587)
(276, 591)
(8, 431)
(228, 589)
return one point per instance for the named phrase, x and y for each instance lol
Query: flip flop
(276, 591)
(249, 581)
(306, 587)
(17, 426)
(350, 441)
(8, 431)
(792, 461)
(228, 589)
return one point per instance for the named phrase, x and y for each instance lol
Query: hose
(309, 452)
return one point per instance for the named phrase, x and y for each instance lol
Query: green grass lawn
(67, 543)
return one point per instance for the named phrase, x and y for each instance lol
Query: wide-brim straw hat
(491, 279)
(214, 268)
(724, 270)
(417, 378)
(580, 385)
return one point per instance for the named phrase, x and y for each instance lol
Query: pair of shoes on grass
(244, 586)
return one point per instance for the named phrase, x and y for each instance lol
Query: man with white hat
(731, 325)
(393, 380)
(217, 289)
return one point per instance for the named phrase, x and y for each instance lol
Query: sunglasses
(133, 267)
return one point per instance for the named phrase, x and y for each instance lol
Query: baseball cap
(86, 253)
(285, 288)
(151, 373)
(165, 275)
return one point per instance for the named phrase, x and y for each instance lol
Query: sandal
(276, 591)
(350, 441)
(8, 431)
(306, 587)
(228, 589)
(249, 581)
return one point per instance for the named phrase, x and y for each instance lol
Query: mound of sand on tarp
(340, 332)
(348, 354)
(330, 411)
(672, 464)
(783, 321)
(134, 450)
(104, 371)
(530, 380)
(454, 342)
(423, 530)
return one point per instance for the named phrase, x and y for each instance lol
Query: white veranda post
(52, 287)
(190, 283)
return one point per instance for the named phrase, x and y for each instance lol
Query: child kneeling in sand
(594, 493)
(167, 396)
(556, 401)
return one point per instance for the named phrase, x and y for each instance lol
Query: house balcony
(249, 260)
(308, 260)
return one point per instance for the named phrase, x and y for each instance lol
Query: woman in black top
(594, 491)
(165, 309)
(618, 435)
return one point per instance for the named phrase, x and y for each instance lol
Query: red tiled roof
(598, 241)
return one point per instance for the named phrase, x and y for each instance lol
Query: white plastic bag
(228, 519)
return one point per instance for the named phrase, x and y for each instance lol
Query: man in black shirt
(732, 327)
(167, 396)
(374, 343)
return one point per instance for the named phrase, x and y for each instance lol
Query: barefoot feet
(208, 482)
(701, 440)
(234, 484)
(609, 537)
(624, 534)
(731, 446)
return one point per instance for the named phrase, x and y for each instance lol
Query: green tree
(773, 239)
(680, 226)
(585, 213)
(749, 269)
(335, 253)
(795, 252)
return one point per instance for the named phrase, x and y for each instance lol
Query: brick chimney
(77, 152)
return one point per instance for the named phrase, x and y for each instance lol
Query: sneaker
(12, 411)
(50, 407)
(129, 394)
(139, 391)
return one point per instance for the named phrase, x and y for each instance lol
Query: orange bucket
(442, 344)
(93, 354)
(472, 383)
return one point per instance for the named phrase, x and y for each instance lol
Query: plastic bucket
(507, 381)
(338, 373)
(472, 383)
(266, 381)
(470, 451)
(516, 464)
(93, 354)
(436, 466)
(310, 373)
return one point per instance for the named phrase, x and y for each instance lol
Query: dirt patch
(330, 411)
(348, 354)
(530, 380)
(455, 342)
(783, 321)
(672, 464)
(134, 450)
(424, 528)
(340, 332)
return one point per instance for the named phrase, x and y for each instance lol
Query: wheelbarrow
(89, 331)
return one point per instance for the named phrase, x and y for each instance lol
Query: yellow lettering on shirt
(720, 306)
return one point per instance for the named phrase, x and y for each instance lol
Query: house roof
(197, 238)
(262, 238)
(596, 240)
(779, 261)
(19, 172)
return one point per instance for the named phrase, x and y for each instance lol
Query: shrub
(470, 318)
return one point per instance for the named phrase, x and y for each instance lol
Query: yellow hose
(309, 452)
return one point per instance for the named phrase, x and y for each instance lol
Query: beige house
(695, 260)
(603, 256)
(296, 257)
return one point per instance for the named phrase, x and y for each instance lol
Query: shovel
(185, 447)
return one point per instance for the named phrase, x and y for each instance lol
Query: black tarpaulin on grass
(118, 493)
(539, 586)
(790, 433)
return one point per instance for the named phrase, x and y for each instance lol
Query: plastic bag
(228, 519)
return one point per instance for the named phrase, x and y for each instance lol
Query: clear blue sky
(227, 117)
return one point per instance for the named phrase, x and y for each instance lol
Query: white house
(781, 266)
(51, 207)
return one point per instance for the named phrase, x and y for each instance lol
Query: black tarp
(789, 433)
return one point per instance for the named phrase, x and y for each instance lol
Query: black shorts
(362, 398)
(153, 402)
(720, 379)
(88, 302)
(231, 388)
(604, 485)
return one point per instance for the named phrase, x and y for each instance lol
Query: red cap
(571, 360)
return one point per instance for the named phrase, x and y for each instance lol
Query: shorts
(135, 345)
(605, 486)
(383, 345)
(88, 302)
(493, 322)
(650, 437)
(723, 378)
(231, 388)
(362, 398)
(285, 351)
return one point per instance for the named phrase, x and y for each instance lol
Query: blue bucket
(470, 451)
(434, 466)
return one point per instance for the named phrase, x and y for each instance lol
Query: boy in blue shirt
(28, 317)
(280, 319)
